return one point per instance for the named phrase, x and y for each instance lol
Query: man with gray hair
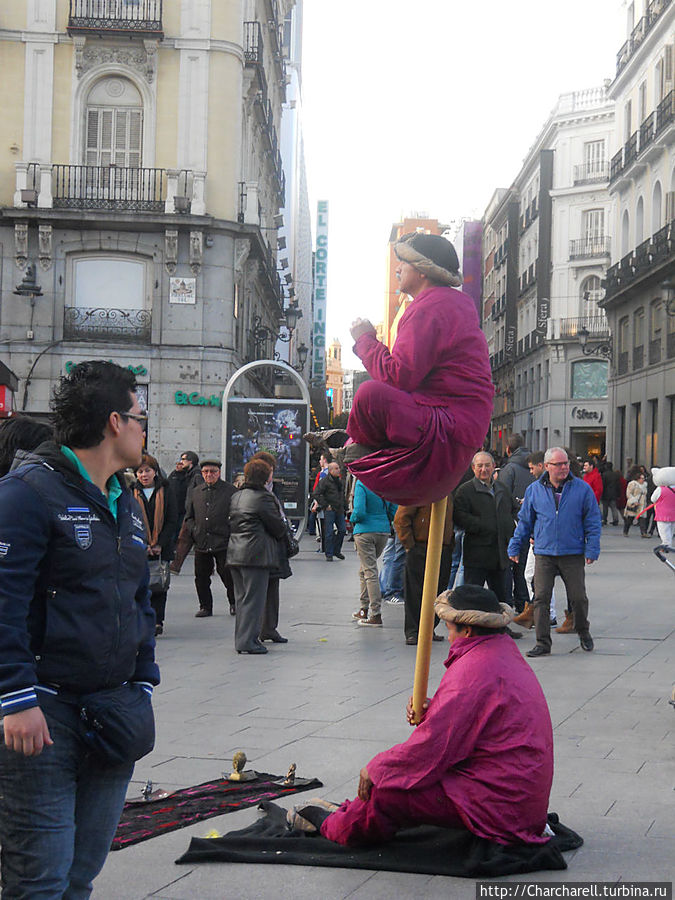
(562, 514)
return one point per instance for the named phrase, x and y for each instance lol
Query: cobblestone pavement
(335, 695)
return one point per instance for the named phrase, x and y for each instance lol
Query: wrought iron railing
(241, 209)
(665, 112)
(639, 33)
(590, 173)
(253, 43)
(596, 326)
(630, 149)
(647, 131)
(655, 352)
(589, 247)
(670, 345)
(108, 187)
(616, 165)
(100, 324)
(116, 16)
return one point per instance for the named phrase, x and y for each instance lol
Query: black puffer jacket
(515, 475)
(488, 521)
(255, 526)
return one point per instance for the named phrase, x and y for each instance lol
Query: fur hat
(432, 255)
(469, 604)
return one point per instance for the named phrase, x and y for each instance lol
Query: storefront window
(589, 380)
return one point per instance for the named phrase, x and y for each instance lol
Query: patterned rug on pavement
(145, 819)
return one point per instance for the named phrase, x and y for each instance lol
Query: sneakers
(586, 641)
(339, 555)
(360, 614)
(375, 621)
(395, 599)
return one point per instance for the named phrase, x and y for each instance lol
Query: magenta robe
(486, 742)
(429, 405)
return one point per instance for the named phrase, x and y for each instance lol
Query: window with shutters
(114, 124)
(594, 157)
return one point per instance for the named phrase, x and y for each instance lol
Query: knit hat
(469, 604)
(432, 255)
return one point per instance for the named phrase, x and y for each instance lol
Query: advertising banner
(320, 296)
(275, 426)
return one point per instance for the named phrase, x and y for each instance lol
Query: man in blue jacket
(562, 513)
(75, 619)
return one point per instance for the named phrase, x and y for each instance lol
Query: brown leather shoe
(203, 613)
(567, 626)
(526, 618)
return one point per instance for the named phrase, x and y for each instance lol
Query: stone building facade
(141, 179)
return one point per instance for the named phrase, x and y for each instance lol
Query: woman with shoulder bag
(636, 500)
(287, 547)
(256, 526)
(158, 507)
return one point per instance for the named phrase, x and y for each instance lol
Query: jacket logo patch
(4, 548)
(83, 536)
(138, 522)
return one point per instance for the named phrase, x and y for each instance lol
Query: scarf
(158, 522)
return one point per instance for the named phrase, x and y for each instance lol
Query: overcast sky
(430, 106)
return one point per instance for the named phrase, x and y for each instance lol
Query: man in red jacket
(593, 478)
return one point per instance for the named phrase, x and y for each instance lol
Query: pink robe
(429, 405)
(485, 744)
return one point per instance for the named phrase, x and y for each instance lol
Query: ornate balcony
(133, 326)
(588, 248)
(654, 10)
(645, 261)
(591, 173)
(570, 327)
(108, 187)
(122, 17)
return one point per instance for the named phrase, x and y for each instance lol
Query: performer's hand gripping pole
(429, 593)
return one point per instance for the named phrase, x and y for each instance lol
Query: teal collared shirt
(113, 485)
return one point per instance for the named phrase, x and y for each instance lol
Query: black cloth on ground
(426, 850)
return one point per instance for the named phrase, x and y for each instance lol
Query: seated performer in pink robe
(482, 756)
(428, 407)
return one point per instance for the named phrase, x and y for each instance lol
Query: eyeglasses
(143, 420)
(558, 464)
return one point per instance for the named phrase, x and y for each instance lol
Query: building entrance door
(587, 442)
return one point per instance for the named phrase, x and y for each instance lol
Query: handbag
(292, 546)
(118, 724)
(160, 576)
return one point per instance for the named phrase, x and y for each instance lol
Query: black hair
(83, 400)
(536, 458)
(191, 456)
(20, 433)
(480, 630)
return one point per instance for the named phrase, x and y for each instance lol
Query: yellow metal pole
(429, 594)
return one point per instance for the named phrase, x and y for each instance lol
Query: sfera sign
(320, 295)
(580, 413)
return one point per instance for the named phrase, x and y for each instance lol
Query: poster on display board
(275, 426)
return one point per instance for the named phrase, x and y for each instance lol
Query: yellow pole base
(429, 594)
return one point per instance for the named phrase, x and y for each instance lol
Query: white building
(640, 294)
(545, 250)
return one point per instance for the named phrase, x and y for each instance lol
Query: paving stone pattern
(335, 695)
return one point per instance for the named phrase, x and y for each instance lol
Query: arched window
(113, 131)
(639, 221)
(625, 233)
(656, 208)
(590, 293)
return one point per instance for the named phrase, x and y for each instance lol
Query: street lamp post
(603, 348)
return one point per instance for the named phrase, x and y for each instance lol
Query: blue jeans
(457, 568)
(333, 541)
(58, 812)
(393, 564)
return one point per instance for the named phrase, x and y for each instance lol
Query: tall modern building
(141, 181)
(640, 289)
(545, 252)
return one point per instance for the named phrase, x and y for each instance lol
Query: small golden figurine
(290, 777)
(238, 773)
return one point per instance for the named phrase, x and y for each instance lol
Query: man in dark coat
(330, 497)
(486, 511)
(181, 481)
(207, 526)
(516, 477)
(611, 491)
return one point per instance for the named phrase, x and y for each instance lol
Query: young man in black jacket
(330, 496)
(75, 619)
